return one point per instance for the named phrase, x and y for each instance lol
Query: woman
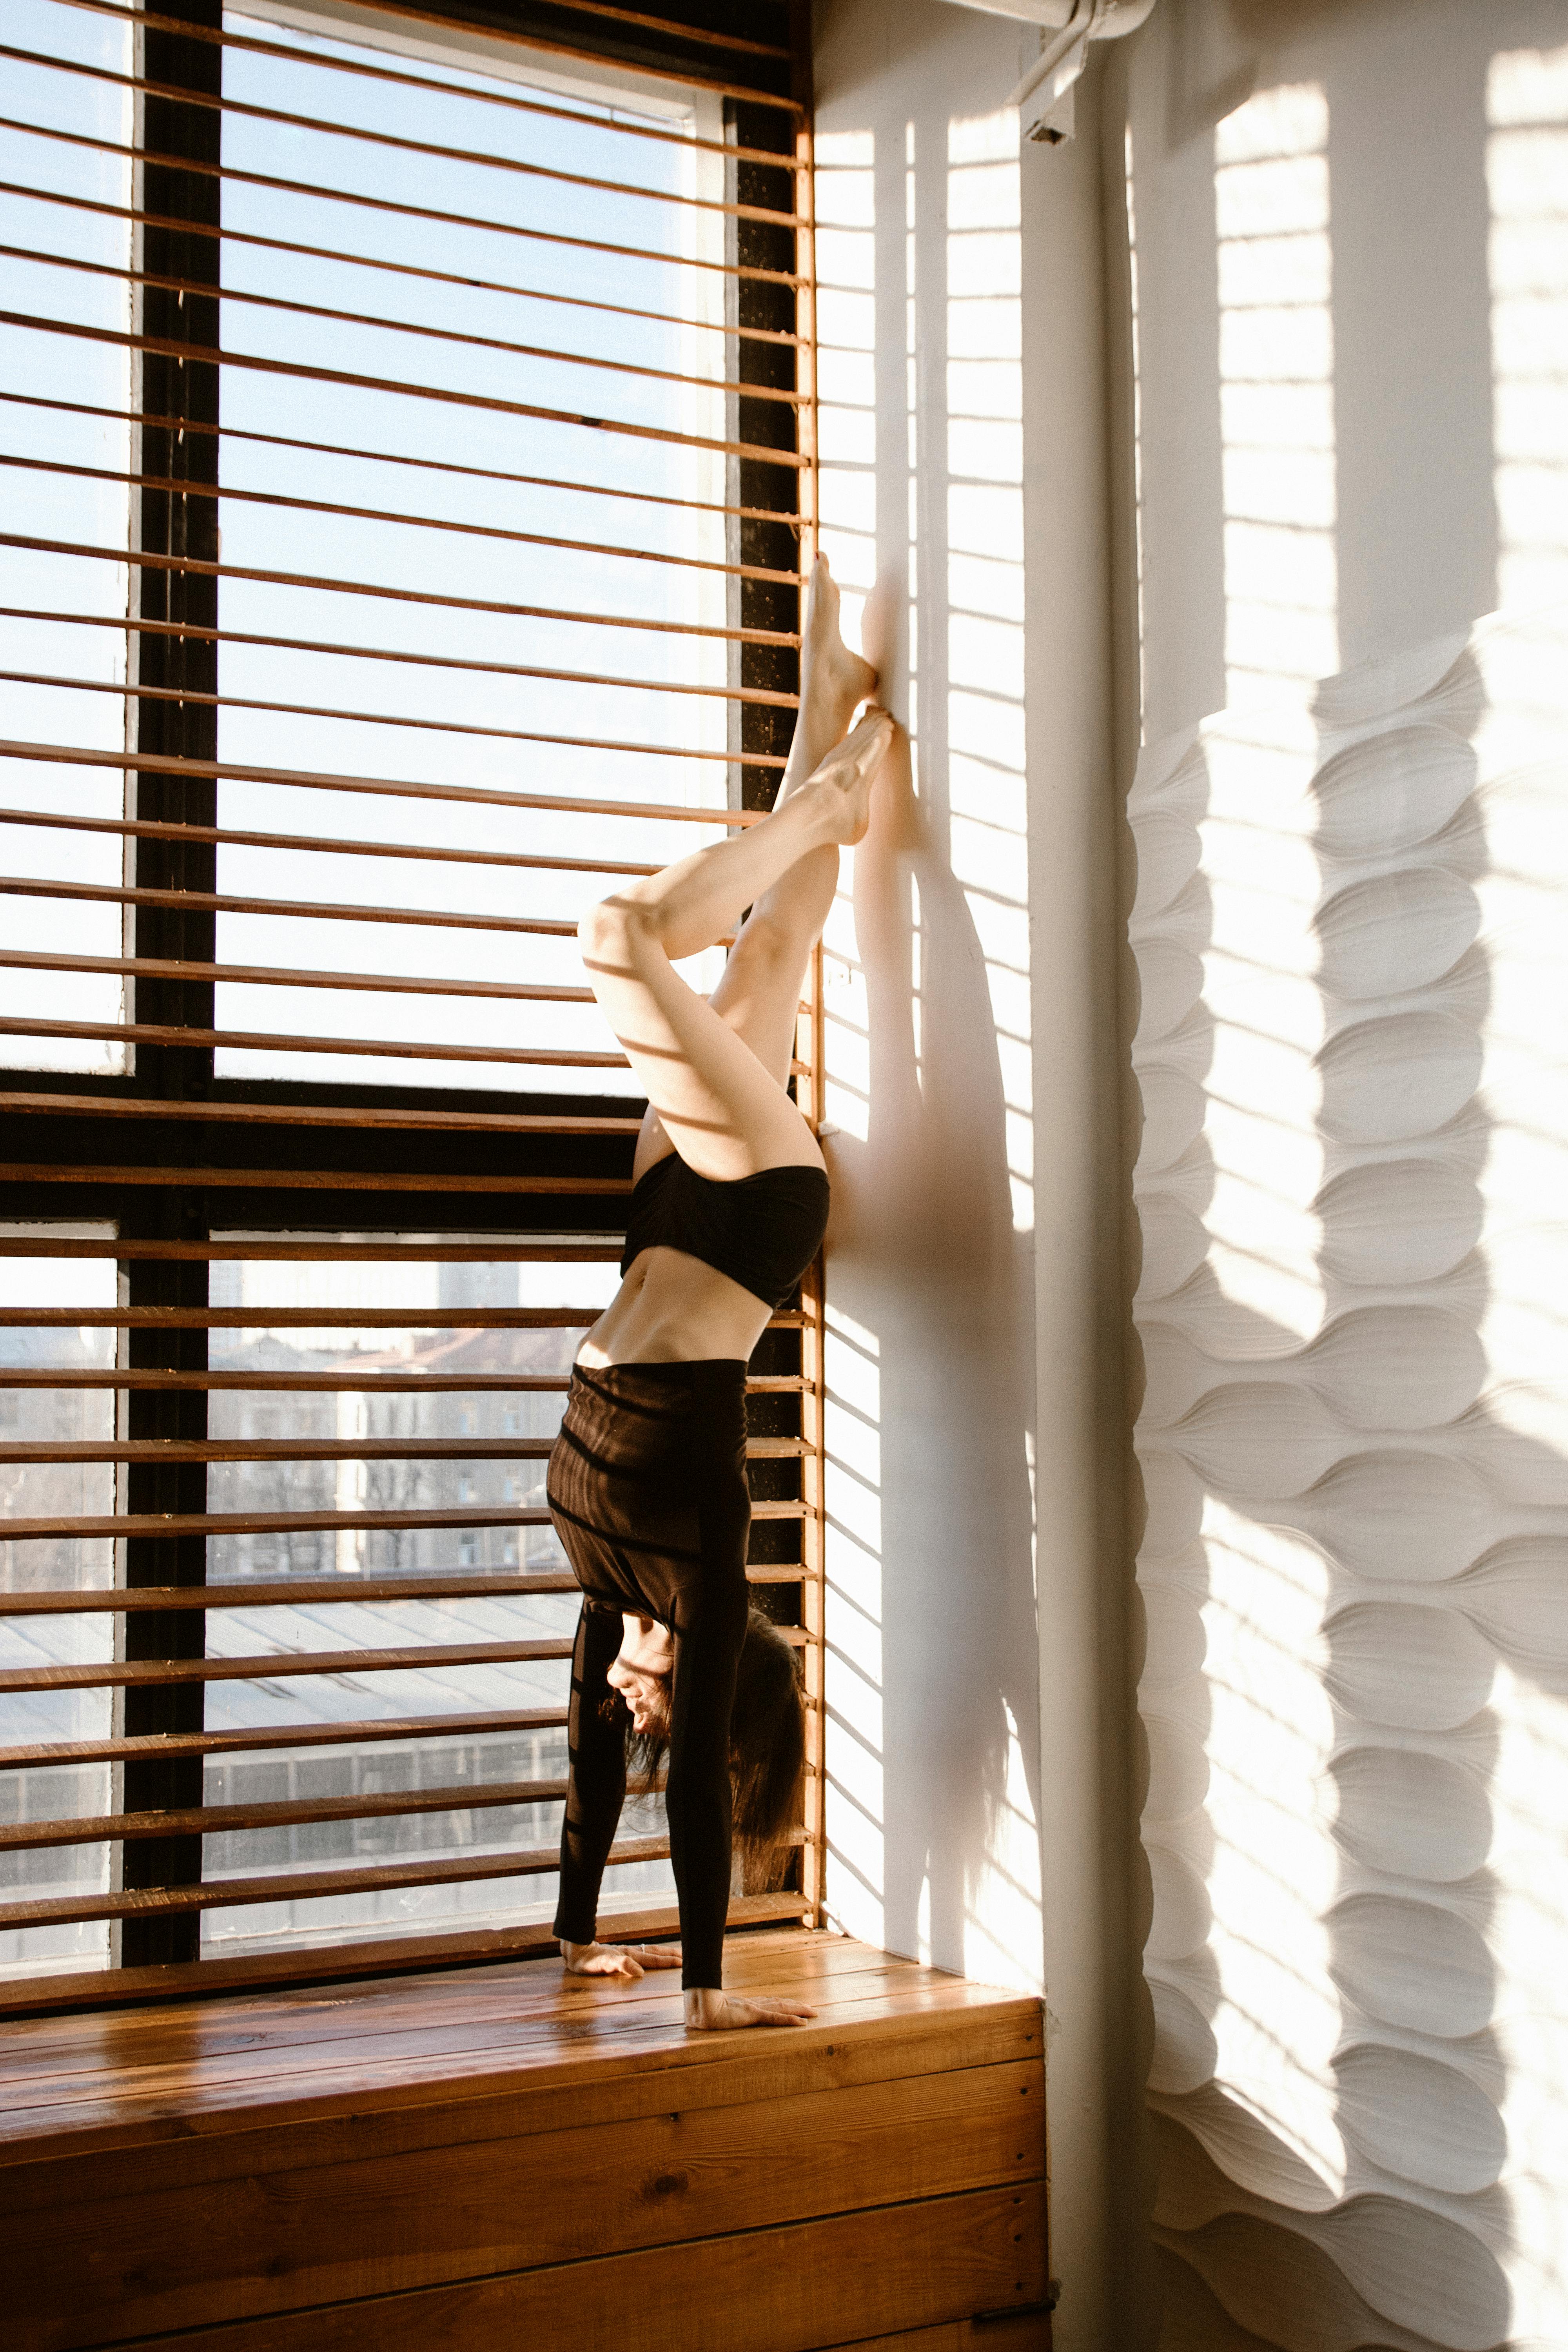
(648, 1481)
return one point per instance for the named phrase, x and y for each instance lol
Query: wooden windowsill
(504, 2154)
(386, 1956)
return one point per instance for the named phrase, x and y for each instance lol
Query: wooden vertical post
(171, 522)
(806, 328)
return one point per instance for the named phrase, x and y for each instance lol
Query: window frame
(77, 1140)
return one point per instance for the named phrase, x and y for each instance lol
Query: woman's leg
(759, 993)
(725, 1112)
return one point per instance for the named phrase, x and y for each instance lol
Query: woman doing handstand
(648, 1480)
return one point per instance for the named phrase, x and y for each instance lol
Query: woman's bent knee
(610, 934)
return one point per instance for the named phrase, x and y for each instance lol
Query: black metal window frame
(74, 1144)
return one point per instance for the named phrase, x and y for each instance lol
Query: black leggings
(647, 1489)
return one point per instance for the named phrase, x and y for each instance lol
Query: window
(408, 442)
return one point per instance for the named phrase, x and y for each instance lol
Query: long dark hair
(767, 1751)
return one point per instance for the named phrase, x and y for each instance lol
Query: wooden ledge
(386, 1956)
(486, 2153)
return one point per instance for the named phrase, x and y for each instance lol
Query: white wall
(1344, 435)
(977, 1676)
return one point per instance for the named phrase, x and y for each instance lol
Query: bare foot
(832, 679)
(844, 779)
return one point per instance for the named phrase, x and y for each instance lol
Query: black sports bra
(762, 1231)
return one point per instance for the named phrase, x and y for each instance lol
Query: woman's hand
(712, 2012)
(627, 1961)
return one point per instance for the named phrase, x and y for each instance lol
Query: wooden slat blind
(345, 658)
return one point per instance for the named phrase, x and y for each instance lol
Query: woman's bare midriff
(675, 1310)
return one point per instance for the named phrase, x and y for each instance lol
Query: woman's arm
(596, 1787)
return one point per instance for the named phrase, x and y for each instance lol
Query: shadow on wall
(926, 1256)
(934, 1683)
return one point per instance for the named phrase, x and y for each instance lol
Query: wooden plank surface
(1022, 2331)
(45, 2177)
(789, 2289)
(605, 2046)
(150, 2096)
(220, 2250)
(527, 2003)
(90, 1989)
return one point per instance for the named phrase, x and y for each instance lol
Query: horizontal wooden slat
(223, 836)
(388, 1956)
(237, 297)
(391, 1251)
(295, 370)
(269, 1523)
(375, 1730)
(318, 1250)
(147, 626)
(252, 1523)
(276, 1593)
(329, 62)
(128, 690)
(277, 1665)
(302, 1591)
(410, 460)
(302, 1885)
(267, 1041)
(180, 487)
(201, 902)
(364, 1384)
(150, 559)
(214, 1820)
(304, 1318)
(254, 975)
(236, 239)
(313, 1114)
(324, 1318)
(321, 780)
(322, 1449)
(485, 159)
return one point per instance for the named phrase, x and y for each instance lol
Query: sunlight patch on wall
(988, 799)
(846, 495)
(1527, 181)
(852, 1424)
(1277, 409)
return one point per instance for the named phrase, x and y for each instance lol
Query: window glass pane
(419, 1396)
(40, 1415)
(512, 272)
(82, 509)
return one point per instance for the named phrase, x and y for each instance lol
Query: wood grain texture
(1021, 2331)
(457, 2158)
(475, 2054)
(97, 1989)
(280, 2242)
(784, 2290)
